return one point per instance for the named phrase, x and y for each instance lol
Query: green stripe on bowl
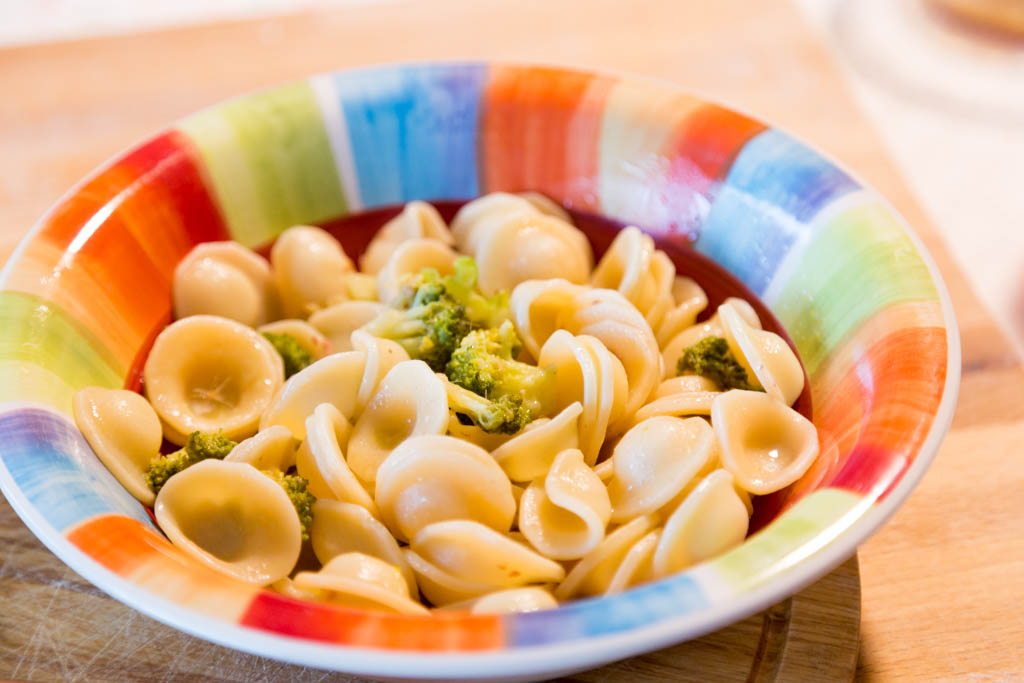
(859, 262)
(268, 158)
(790, 539)
(46, 355)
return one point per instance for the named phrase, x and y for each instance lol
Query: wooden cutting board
(941, 582)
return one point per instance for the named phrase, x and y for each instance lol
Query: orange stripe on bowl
(107, 253)
(540, 130)
(318, 621)
(141, 555)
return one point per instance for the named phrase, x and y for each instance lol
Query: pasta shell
(473, 551)
(270, 449)
(440, 587)
(636, 564)
(627, 268)
(529, 453)
(333, 379)
(654, 461)
(765, 355)
(337, 322)
(586, 372)
(478, 217)
(710, 521)
(418, 220)
(409, 258)
(321, 460)
(564, 514)
(428, 479)
(124, 433)
(531, 246)
(680, 397)
(305, 334)
(357, 580)
(689, 301)
(381, 356)
(207, 373)
(410, 401)
(227, 280)
(310, 268)
(340, 528)
(607, 315)
(765, 444)
(509, 601)
(538, 307)
(231, 518)
(593, 574)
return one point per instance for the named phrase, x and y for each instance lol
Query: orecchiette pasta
(309, 268)
(513, 241)
(529, 454)
(586, 372)
(305, 334)
(211, 374)
(564, 514)
(337, 322)
(593, 574)
(530, 430)
(272, 448)
(231, 518)
(472, 551)
(654, 461)
(334, 379)
(418, 220)
(429, 479)
(410, 401)
(765, 355)
(357, 580)
(224, 279)
(511, 600)
(321, 460)
(123, 431)
(766, 445)
(709, 521)
(340, 528)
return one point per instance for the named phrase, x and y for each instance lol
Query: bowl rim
(523, 660)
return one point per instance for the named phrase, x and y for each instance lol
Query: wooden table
(942, 583)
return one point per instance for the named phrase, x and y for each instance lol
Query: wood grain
(942, 581)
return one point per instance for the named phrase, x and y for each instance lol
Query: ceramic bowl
(87, 290)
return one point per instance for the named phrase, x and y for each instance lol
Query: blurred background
(941, 80)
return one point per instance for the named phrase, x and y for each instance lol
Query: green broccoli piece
(200, 446)
(711, 358)
(294, 355)
(504, 415)
(296, 488)
(483, 363)
(432, 314)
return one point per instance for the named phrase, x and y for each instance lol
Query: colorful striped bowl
(85, 293)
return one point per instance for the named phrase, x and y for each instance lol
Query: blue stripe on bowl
(55, 468)
(773, 190)
(413, 130)
(639, 606)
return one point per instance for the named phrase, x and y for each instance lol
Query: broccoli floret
(432, 314)
(711, 358)
(296, 488)
(504, 415)
(200, 446)
(483, 363)
(295, 356)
